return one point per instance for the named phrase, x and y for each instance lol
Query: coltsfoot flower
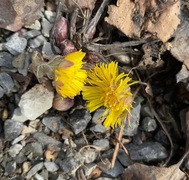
(69, 76)
(105, 87)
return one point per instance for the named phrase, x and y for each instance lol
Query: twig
(121, 133)
(92, 25)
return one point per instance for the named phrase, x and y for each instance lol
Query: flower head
(109, 89)
(69, 75)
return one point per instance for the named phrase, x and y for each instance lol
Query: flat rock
(31, 34)
(50, 15)
(35, 148)
(12, 129)
(18, 116)
(6, 83)
(102, 143)
(37, 41)
(53, 123)
(15, 149)
(47, 50)
(35, 26)
(46, 140)
(16, 44)
(149, 124)
(34, 170)
(10, 167)
(147, 151)
(97, 115)
(6, 59)
(51, 166)
(116, 170)
(98, 128)
(46, 27)
(36, 101)
(79, 120)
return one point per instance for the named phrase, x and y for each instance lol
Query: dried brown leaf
(135, 18)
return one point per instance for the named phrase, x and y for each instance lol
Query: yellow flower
(69, 76)
(109, 89)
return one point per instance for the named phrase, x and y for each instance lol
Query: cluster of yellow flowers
(101, 86)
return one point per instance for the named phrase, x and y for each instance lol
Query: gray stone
(148, 124)
(132, 127)
(35, 148)
(37, 41)
(31, 34)
(16, 44)
(12, 129)
(6, 83)
(51, 166)
(20, 158)
(34, 170)
(36, 101)
(18, 139)
(36, 25)
(102, 143)
(38, 177)
(89, 168)
(10, 167)
(47, 50)
(145, 111)
(50, 15)
(15, 149)
(123, 158)
(6, 59)
(24, 70)
(2, 92)
(18, 116)
(71, 163)
(79, 120)
(116, 170)
(97, 115)
(148, 151)
(53, 123)
(90, 155)
(46, 140)
(46, 27)
(98, 128)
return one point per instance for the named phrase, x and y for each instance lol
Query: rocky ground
(37, 141)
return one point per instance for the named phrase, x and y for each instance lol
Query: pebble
(20, 158)
(71, 163)
(116, 170)
(15, 149)
(37, 41)
(16, 44)
(46, 27)
(36, 101)
(6, 59)
(38, 177)
(34, 170)
(46, 140)
(47, 50)
(149, 124)
(123, 158)
(36, 25)
(31, 34)
(53, 123)
(18, 116)
(51, 166)
(145, 111)
(104, 144)
(89, 168)
(148, 151)
(97, 115)
(35, 148)
(24, 69)
(50, 15)
(18, 61)
(26, 166)
(10, 167)
(6, 83)
(132, 127)
(12, 129)
(79, 120)
(90, 155)
(98, 128)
